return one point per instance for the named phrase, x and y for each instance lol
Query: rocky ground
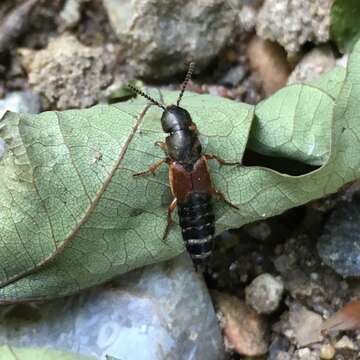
(271, 282)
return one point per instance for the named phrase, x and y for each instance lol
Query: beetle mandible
(189, 177)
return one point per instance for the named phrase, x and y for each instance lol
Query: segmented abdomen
(197, 222)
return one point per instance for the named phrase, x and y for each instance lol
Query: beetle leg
(220, 196)
(220, 160)
(153, 168)
(162, 145)
(171, 208)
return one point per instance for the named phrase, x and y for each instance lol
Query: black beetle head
(175, 118)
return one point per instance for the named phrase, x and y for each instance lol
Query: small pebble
(234, 76)
(71, 13)
(247, 18)
(244, 330)
(279, 348)
(305, 325)
(259, 230)
(327, 352)
(264, 293)
(282, 355)
(312, 65)
(306, 354)
(345, 343)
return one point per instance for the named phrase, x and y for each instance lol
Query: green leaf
(70, 205)
(294, 123)
(344, 23)
(10, 353)
(331, 82)
(72, 215)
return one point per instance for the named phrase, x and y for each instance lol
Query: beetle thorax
(183, 144)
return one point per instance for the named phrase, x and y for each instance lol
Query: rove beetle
(189, 177)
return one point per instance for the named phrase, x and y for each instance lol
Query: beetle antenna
(146, 96)
(187, 78)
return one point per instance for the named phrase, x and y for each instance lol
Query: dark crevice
(279, 164)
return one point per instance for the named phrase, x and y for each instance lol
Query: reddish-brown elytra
(189, 177)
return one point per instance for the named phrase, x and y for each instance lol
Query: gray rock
(20, 101)
(306, 354)
(259, 230)
(264, 293)
(312, 65)
(159, 38)
(246, 11)
(278, 349)
(305, 324)
(247, 18)
(233, 76)
(292, 23)
(67, 73)
(282, 355)
(339, 245)
(159, 312)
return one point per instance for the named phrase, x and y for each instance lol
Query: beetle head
(175, 118)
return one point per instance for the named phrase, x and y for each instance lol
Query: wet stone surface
(339, 244)
(159, 312)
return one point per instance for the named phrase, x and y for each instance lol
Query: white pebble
(264, 293)
(327, 352)
(345, 343)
